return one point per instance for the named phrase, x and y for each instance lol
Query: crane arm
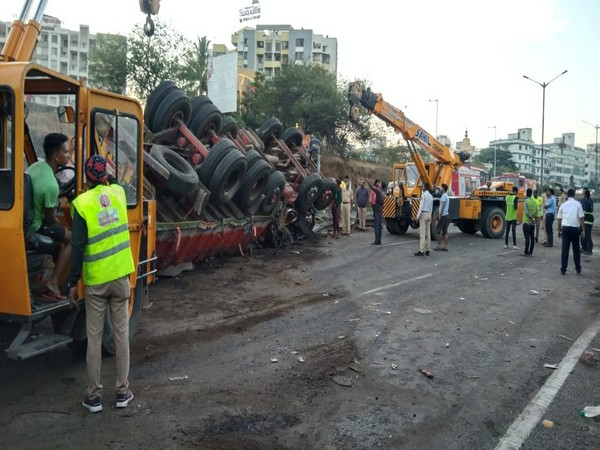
(394, 117)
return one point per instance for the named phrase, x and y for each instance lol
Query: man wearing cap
(101, 252)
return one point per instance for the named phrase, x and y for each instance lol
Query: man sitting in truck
(45, 197)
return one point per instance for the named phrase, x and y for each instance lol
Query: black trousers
(549, 223)
(511, 225)
(529, 233)
(570, 238)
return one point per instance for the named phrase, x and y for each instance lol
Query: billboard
(222, 83)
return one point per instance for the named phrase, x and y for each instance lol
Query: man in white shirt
(570, 229)
(424, 218)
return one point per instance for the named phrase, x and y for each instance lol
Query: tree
(108, 63)
(152, 60)
(504, 162)
(194, 77)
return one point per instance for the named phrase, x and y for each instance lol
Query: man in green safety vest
(511, 217)
(530, 214)
(101, 251)
(539, 202)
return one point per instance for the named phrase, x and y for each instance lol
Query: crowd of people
(574, 218)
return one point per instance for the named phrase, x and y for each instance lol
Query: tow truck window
(116, 138)
(7, 183)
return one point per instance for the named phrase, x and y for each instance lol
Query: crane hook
(149, 26)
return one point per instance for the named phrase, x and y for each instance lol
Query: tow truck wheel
(434, 217)
(175, 107)
(493, 223)
(467, 227)
(395, 226)
(135, 312)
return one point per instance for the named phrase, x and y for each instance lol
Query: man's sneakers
(124, 399)
(514, 247)
(505, 245)
(419, 254)
(93, 405)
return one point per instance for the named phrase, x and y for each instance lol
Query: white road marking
(396, 284)
(521, 428)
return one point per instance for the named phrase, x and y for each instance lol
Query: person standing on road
(588, 212)
(362, 200)
(511, 217)
(102, 252)
(377, 210)
(539, 202)
(562, 198)
(347, 202)
(443, 221)
(543, 218)
(424, 218)
(571, 225)
(336, 204)
(529, 219)
(550, 208)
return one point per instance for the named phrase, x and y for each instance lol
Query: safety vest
(511, 211)
(107, 255)
(539, 202)
(532, 208)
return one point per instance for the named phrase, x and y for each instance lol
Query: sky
(470, 55)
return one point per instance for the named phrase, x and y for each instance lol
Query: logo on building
(250, 12)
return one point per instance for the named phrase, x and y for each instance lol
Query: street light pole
(494, 127)
(436, 115)
(596, 175)
(543, 85)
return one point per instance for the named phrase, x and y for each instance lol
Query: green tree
(152, 60)
(194, 77)
(108, 63)
(504, 162)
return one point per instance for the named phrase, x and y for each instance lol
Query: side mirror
(66, 114)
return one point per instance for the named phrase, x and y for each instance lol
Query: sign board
(222, 83)
(251, 12)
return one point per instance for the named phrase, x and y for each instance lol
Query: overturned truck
(221, 188)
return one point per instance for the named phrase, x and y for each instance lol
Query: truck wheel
(176, 106)
(182, 177)
(229, 127)
(326, 194)
(434, 217)
(216, 153)
(154, 99)
(227, 178)
(253, 155)
(308, 191)
(270, 129)
(207, 118)
(135, 312)
(467, 226)
(292, 137)
(198, 101)
(396, 226)
(253, 185)
(493, 222)
(273, 191)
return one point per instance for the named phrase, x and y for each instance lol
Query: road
(320, 346)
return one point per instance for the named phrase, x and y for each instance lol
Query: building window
(299, 42)
(299, 56)
(277, 46)
(285, 45)
(260, 44)
(55, 39)
(269, 46)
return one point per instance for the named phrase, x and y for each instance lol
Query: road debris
(533, 292)
(565, 337)
(354, 369)
(447, 344)
(427, 373)
(551, 366)
(590, 411)
(423, 311)
(394, 366)
(342, 381)
(274, 360)
(476, 376)
(300, 359)
(184, 377)
(548, 423)
(462, 298)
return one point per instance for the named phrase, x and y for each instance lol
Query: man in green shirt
(45, 198)
(530, 214)
(511, 217)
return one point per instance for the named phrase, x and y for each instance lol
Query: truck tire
(229, 127)
(396, 226)
(467, 226)
(434, 217)
(174, 107)
(271, 128)
(292, 137)
(253, 155)
(207, 119)
(198, 102)
(253, 185)
(493, 222)
(227, 178)
(308, 191)
(182, 177)
(154, 99)
(326, 194)
(135, 312)
(273, 191)
(216, 153)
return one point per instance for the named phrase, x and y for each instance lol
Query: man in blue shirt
(443, 221)
(550, 208)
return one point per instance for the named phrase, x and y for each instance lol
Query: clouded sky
(471, 55)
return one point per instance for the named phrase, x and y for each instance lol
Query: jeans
(377, 218)
(586, 243)
(511, 225)
(529, 233)
(549, 223)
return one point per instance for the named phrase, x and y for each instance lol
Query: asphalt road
(330, 356)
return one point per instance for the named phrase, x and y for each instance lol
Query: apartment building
(267, 48)
(59, 49)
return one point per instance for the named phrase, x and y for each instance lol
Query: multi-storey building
(268, 48)
(59, 49)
